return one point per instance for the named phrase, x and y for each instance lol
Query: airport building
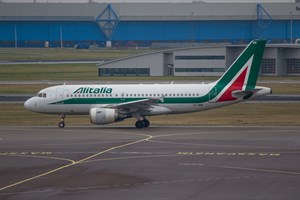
(278, 60)
(144, 24)
(217, 31)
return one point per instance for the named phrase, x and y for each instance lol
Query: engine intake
(103, 116)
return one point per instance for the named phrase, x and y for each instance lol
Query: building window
(124, 71)
(199, 69)
(268, 66)
(185, 57)
(293, 66)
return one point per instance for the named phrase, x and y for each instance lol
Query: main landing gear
(142, 123)
(62, 123)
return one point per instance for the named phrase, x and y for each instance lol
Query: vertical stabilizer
(242, 74)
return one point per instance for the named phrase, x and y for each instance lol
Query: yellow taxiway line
(77, 162)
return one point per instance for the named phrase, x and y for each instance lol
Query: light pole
(16, 37)
(61, 38)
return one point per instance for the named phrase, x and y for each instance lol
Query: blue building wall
(143, 33)
(34, 34)
(205, 31)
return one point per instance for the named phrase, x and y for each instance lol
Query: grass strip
(44, 54)
(48, 72)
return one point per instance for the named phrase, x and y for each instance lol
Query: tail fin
(241, 75)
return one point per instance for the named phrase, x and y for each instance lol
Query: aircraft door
(123, 96)
(60, 95)
(212, 94)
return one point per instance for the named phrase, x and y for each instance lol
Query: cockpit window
(43, 95)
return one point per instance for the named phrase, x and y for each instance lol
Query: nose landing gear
(62, 123)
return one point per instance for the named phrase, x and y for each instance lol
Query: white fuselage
(172, 98)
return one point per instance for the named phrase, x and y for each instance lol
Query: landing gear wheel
(142, 123)
(61, 124)
(139, 124)
(146, 123)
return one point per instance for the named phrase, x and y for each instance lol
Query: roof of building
(146, 11)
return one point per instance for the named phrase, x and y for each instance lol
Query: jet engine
(103, 116)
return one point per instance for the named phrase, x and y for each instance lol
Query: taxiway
(158, 163)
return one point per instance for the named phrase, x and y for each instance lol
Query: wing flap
(143, 104)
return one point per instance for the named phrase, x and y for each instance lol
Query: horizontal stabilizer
(245, 94)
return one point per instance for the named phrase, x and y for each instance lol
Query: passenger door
(60, 95)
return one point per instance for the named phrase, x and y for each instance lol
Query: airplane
(107, 104)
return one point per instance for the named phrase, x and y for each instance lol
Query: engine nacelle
(103, 116)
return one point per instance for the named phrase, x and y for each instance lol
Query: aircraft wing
(133, 106)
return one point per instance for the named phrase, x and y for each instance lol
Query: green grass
(283, 88)
(42, 54)
(22, 88)
(48, 72)
(271, 114)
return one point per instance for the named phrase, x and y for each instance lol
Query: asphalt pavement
(161, 163)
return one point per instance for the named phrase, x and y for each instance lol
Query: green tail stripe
(259, 51)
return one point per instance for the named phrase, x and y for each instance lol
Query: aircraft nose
(28, 104)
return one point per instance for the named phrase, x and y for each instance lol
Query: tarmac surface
(157, 163)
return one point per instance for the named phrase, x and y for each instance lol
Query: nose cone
(28, 104)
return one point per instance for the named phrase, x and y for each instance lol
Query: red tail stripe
(236, 85)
